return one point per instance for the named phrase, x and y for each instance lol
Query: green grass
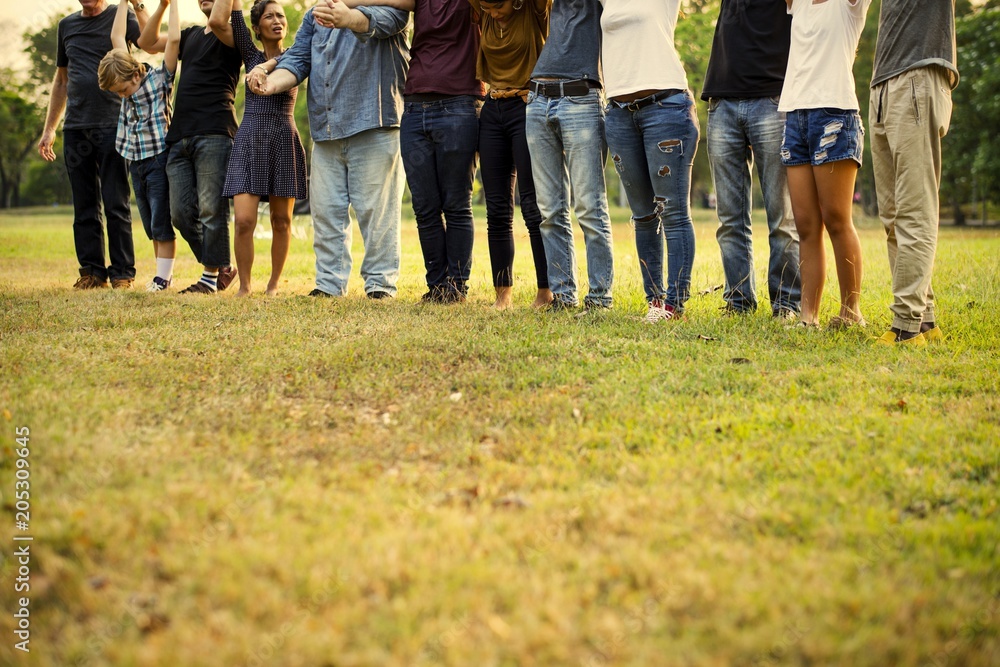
(305, 483)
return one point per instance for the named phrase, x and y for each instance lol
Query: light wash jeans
(363, 172)
(566, 141)
(742, 132)
(653, 149)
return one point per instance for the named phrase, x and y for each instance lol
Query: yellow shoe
(889, 338)
(934, 335)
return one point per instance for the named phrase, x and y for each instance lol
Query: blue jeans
(742, 132)
(152, 196)
(566, 141)
(98, 175)
(363, 172)
(438, 141)
(818, 136)
(653, 149)
(196, 172)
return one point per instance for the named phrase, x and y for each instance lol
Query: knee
(245, 224)
(280, 223)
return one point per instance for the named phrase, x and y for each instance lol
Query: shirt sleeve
(383, 22)
(298, 59)
(244, 42)
(62, 59)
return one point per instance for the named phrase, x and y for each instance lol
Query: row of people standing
(543, 117)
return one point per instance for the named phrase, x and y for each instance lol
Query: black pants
(98, 176)
(503, 154)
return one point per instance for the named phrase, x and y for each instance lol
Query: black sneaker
(435, 294)
(320, 293)
(379, 294)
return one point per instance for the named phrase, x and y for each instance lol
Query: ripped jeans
(653, 149)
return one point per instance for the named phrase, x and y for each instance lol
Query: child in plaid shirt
(142, 131)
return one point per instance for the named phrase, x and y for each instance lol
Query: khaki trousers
(908, 116)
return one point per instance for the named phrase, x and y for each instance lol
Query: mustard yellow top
(507, 54)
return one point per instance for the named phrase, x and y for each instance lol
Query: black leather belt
(571, 88)
(635, 105)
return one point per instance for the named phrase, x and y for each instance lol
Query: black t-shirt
(750, 50)
(206, 89)
(82, 42)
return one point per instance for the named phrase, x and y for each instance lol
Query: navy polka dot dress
(267, 158)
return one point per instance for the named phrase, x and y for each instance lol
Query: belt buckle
(633, 105)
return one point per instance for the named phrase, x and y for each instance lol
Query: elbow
(217, 24)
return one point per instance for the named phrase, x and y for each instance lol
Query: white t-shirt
(825, 35)
(637, 48)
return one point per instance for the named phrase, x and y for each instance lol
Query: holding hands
(337, 14)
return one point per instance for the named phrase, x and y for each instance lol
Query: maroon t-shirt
(444, 51)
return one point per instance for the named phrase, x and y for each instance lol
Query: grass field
(297, 482)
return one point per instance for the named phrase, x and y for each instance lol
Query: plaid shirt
(145, 117)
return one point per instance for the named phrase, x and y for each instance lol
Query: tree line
(971, 161)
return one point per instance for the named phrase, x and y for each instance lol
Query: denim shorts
(816, 136)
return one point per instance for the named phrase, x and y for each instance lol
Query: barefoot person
(910, 111)
(98, 174)
(513, 33)
(267, 162)
(653, 136)
(200, 139)
(142, 130)
(822, 148)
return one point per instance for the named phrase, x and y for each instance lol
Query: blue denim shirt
(355, 81)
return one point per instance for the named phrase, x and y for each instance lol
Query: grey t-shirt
(83, 41)
(573, 48)
(909, 38)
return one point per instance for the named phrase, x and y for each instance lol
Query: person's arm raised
(219, 21)
(173, 39)
(150, 39)
(119, 27)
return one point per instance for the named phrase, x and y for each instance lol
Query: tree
(21, 119)
(971, 164)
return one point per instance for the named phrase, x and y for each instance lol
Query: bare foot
(505, 297)
(542, 299)
(272, 290)
(244, 291)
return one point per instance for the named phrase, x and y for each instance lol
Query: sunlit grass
(344, 482)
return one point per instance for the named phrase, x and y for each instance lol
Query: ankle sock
(903, 335)
(165, 268)
(927, 326)
(211, 279)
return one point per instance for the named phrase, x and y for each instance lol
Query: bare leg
(835, 187)
(809, 223)
(245, 206)
(281, 238)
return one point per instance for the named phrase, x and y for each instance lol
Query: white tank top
(637, 49)
(820, 71)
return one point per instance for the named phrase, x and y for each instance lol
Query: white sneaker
(659, 312)
(157, 284)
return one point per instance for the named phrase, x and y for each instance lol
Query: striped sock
(211, 279)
